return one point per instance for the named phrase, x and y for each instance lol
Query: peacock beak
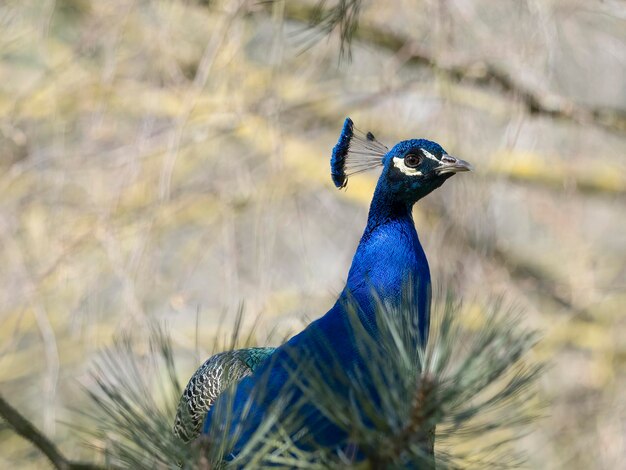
(450, 164)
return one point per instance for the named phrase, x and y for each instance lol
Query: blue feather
(340, 152)
(354, 152)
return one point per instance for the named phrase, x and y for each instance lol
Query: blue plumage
(340, 151)
(387, 257)
(355, 152)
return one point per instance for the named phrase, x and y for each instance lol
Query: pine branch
(467, 383)
(28, 431)
(474, 385)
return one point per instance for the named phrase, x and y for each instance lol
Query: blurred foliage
(169, 159)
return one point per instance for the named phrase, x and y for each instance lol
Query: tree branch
(478, 73)
(28, 431)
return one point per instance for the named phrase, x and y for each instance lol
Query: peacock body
(389, 256)
(214, 376)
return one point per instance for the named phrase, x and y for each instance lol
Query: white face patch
(399, 164)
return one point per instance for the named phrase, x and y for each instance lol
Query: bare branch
(28, 431)
(478, 73)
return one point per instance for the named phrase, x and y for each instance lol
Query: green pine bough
(470, 394)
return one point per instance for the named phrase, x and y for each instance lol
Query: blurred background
(169, 160)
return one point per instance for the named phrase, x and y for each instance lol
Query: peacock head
(411, 169)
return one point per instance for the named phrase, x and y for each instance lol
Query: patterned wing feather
(215, 375)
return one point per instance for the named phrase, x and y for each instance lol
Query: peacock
(242, 386)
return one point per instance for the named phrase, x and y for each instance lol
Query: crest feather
(355, 152)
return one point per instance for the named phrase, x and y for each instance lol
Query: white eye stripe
(400, 165)
(427, 154)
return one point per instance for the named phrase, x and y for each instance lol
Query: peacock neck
(386, 208)
(388, 256)
(389, 250)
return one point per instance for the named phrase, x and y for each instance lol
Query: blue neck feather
(386, 207)
(388, 256)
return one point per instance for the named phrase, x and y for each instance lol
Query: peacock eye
(412, 160)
